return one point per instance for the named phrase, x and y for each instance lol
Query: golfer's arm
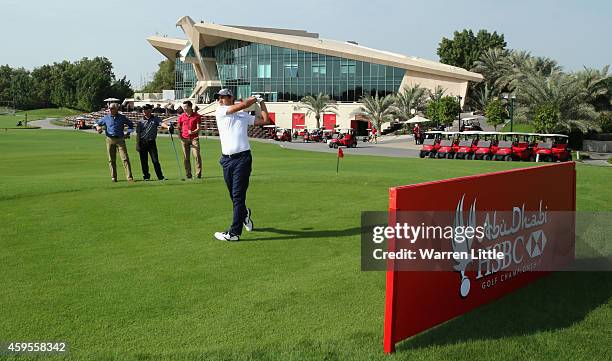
(264, 118)
(241, 106)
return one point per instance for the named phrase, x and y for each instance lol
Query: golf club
(178, 164)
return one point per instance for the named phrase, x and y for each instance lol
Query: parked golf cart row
(496, 146)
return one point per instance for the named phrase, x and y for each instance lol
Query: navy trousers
(149, 147)
(236, 172)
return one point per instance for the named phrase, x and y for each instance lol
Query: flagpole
(337, 163)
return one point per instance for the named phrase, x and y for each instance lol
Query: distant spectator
(417, 133)
(179, 110)
(113, 124)
(146, 130)
(189, 130)
(158, 109)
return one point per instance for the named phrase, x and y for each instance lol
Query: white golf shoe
(226, 236)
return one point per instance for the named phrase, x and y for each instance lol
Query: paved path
(391, 147)
(388, 146)
(385, 150)
(46, 124)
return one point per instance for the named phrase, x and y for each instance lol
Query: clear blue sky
(33, 33)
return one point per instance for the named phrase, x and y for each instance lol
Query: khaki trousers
(112, 144)
(194, 144)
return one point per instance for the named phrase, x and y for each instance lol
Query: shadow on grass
(552, 303)
(305, 233)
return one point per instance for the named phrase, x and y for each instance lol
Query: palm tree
(492, 65)
(483, 94)
(596, 84)
(411, 98)
(561, 92)
(437, 94)
(378, 110)
(318, 105)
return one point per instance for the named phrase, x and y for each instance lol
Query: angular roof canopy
(211, 35)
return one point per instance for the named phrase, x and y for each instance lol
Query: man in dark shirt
(113, 125)
(147, 134)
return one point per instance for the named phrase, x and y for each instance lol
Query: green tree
(43, 84)
(481, 96)
(546, 118)
(318, 105)
(379, 110)
(555, 103)
(495, 113)
(466, 48)
(410, 98)
(121, 88)
(598, 87)
(6, 73)
(164, 78)
(23, 90)
(94, 81)
(445, 110)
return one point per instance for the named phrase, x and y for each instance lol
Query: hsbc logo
(536, 243)
(516, 236)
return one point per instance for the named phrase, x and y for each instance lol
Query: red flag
(340, 153)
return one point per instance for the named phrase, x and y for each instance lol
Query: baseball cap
(147, 106)
(224, 92)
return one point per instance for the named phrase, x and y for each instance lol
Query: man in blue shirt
(113, 124)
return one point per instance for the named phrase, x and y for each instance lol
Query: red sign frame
(417, 300)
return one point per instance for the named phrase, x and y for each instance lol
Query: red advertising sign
(329, 121)
(298, 120)
(272, 117)
(418, 300)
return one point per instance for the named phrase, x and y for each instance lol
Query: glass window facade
(282, 74)
(185, 78)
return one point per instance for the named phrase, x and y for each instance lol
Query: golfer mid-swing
(236, 160)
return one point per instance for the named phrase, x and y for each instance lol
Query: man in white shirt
(233, 123)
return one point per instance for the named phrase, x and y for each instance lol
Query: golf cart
(344, 140)
(487, 144)
(514, 147)
(314, 135)
(471, 124)
(522, 147)
(448, 146)
(282, 135)
(553, 149)
(431, 144)
(467, 146)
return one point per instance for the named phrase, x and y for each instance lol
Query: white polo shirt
(233, 130)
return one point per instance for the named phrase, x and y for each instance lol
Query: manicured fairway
(132, 272)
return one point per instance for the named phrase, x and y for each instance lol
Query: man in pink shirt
(189, 130)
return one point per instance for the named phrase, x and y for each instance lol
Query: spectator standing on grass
(189, 130)
(146, 145)
(113, 124)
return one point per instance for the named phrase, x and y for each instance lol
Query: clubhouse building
(285, 65)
